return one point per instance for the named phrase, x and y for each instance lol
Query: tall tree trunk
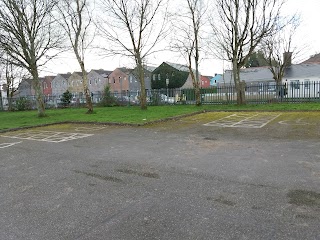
(86, 88)
(195, 78)
(196, 59)
(1, 104)
(198, 95)
(240, 87)
(9, 97)
(143, 90)
(196, 86)
(143, 97)
(38, 91)
(197, 83)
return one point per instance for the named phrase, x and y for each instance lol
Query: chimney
(287, 59)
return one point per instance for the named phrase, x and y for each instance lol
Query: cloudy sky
(308, 35)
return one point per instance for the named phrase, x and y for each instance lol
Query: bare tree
(12, 76)
(239, 28)
(131, 29)
(27, 35)
(187, 38)
(279, 49)
(76, 19)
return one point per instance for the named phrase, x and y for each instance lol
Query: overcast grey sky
(308, 34)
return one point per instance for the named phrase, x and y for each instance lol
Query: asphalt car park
(209, 176)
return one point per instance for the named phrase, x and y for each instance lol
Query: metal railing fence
(254, 94)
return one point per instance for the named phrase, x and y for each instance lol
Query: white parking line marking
(298, 122)
(5, 145)
(79, 129)
(245, 120)
(48, 136)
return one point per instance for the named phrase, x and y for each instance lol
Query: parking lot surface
(210, 176)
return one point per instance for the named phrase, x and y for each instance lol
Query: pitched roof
(102, 71)
(254, 74)
(217, 77)
(204, 78)
(125, 70)
(26, 80)
(303, 71)
(261, 74)
(149, 68)
(65, 75)
(78, 73)
(313, 59)
(178, 66)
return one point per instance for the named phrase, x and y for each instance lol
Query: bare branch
(131, 30)
(240, 28)
(278, 47)
(75, 19)
(27, 34)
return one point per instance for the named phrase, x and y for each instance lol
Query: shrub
(66, 98)
(107, 99)
(22, 104)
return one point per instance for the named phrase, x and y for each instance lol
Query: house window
(96, 81)
(295, 84)
(271, 87)
(153, 77)
(114, 80)
(90, 81)
(130, 78)
(159, 77)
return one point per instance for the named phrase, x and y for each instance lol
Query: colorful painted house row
(120, 81)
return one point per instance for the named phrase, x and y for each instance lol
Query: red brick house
(47, 85)
(119, 81)
(204, 81)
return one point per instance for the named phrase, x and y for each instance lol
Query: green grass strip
(132, 114)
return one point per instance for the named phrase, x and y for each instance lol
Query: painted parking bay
(245, 120)
(46, 136)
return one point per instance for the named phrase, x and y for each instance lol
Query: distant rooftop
(102, 71)
(65, 75)
(178, 66)
(257, 74)
(310, 70)
(313, 59)
(149, 68)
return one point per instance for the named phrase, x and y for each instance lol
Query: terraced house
(25, 88)
(60, 84)
(47, 86)
(97, 81)
(75, 86)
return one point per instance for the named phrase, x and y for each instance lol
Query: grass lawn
(133, 114)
